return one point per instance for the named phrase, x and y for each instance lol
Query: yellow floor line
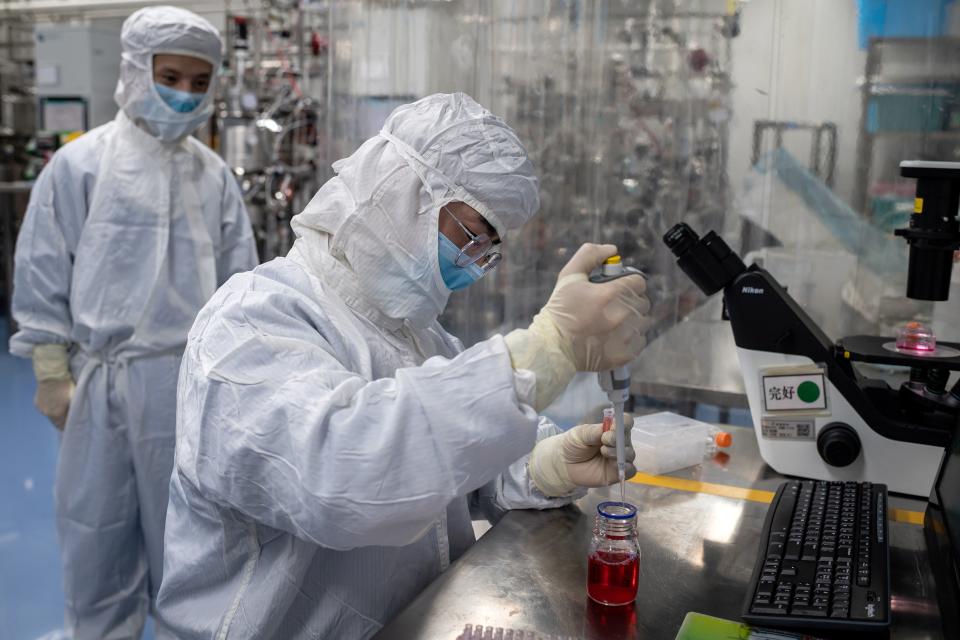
(910, 517)
(740, 493)
(682, 484)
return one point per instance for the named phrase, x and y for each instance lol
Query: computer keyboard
(824, 560)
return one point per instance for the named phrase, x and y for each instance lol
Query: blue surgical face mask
(179, 101)
(455, 277)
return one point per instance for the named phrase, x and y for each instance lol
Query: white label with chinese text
(794, 392)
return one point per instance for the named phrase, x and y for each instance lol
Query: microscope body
(814, 414)
(846, 426)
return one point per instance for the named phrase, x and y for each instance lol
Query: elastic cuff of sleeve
(51, 362)
(530, 349)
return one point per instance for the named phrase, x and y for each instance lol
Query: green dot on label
(808, 391)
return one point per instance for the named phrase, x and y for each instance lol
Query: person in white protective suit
(129, 231)
(330, 431)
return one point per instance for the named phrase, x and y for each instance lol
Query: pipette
(616, 382)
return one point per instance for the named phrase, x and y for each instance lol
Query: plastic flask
(665, 442)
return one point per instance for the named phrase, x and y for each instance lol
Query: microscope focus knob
(838, 444)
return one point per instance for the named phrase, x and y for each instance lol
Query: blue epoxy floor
(31, 598)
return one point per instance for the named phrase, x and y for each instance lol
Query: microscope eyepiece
(680, 238)
(709, 261)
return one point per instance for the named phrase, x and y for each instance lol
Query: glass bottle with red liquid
(613, 561)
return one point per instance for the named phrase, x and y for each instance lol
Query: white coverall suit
(329, 430)
(125, 238)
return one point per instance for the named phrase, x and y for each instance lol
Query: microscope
(815, 415)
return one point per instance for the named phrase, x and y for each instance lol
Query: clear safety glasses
(479, 250)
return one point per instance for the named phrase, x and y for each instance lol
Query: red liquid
(914, 345)
(612, 578)
(603, 621)
(608, 423)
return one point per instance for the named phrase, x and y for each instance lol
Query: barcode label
(777, 429)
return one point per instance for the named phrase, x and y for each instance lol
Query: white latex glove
(55, 386)
(584, 456)
(583, 327)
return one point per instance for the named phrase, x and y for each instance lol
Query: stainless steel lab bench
(699, 534)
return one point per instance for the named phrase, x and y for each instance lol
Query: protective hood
(163, 30)
(371, 230)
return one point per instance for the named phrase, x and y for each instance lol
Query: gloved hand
(583, 327)
(55, 386)
(584, 456)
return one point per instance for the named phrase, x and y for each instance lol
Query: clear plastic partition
(778, 124)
